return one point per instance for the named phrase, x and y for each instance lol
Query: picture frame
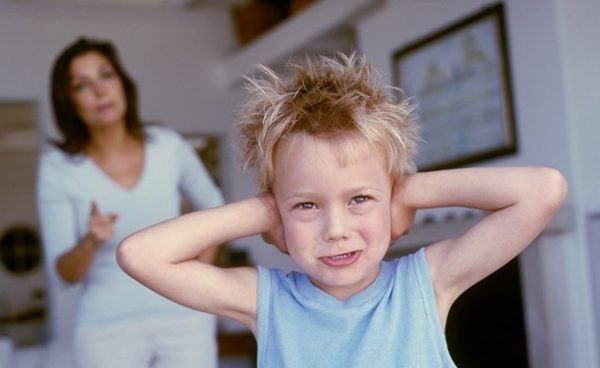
(458, 79)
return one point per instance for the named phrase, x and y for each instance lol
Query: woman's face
(97, 91)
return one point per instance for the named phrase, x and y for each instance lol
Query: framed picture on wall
(459, 80)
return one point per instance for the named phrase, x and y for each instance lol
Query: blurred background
(188, 56)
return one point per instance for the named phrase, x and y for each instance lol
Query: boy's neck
(344, 293)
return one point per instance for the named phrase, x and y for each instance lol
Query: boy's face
(336, 217)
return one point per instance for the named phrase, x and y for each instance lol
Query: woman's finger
(94, 209)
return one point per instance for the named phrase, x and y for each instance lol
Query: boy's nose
(335, 228)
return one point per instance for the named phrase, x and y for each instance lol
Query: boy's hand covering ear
(402, 215)
(274, 235)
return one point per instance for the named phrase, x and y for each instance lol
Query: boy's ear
(402, 221)
(276, 237)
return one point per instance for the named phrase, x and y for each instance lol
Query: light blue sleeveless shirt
(392, 323)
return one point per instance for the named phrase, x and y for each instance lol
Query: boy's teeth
(340, 256)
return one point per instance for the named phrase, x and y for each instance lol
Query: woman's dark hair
(75, 133)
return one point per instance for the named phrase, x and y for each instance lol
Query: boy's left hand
(402, 215)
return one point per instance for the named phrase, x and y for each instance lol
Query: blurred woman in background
(108, 177)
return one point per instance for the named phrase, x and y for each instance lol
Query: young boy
(333, 155)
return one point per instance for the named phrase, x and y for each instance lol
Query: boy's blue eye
(306, 205)
(360, 199)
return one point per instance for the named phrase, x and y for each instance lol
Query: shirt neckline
(313, 294)
(113, 182)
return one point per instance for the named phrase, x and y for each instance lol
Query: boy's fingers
(112, 217)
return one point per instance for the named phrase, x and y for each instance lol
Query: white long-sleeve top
(66, 187)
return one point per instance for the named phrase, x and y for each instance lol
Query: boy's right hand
(275, 234)
(100, 227)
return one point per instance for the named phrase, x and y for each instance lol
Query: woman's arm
(74, 264)
(522, 201)
(163, 257)
(57, 219)
(197, 186)
(70, 257)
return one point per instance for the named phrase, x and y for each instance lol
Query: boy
(333, 155)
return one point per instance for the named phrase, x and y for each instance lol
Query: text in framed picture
(459, 81)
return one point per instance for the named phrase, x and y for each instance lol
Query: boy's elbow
(126, 255)
(555, 188)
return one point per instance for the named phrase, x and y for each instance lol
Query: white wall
(578, 31)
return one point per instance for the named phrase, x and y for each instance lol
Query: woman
(107, 178)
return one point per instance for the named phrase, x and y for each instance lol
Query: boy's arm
(522, 201)
(163, 258)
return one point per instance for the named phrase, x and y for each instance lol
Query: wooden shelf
(293, 33)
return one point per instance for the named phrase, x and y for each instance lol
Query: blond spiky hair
(324, 98)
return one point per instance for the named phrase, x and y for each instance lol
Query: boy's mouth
(344, 259)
